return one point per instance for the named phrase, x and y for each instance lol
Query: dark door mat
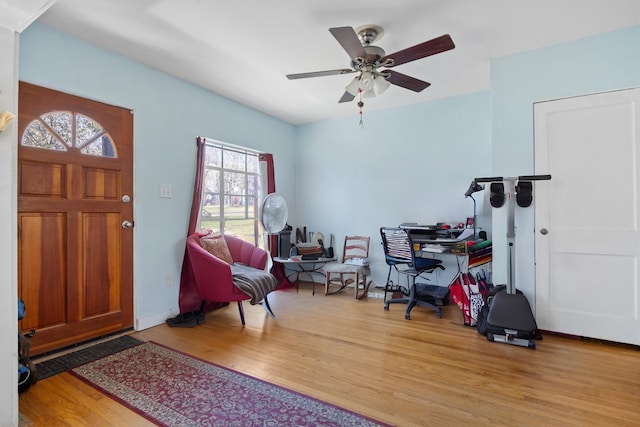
(68, 361)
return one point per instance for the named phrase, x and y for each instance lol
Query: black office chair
(395, 254)
(399, 250)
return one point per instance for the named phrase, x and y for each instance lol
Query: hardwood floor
(422, 372)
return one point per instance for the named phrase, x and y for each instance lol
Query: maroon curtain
(189, 299)
(197, 188)
(271, 188)
(277, 269)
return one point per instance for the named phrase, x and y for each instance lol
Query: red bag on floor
(469, 297)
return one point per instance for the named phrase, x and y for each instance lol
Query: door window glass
(66, 131)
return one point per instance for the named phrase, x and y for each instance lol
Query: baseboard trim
(143, 323)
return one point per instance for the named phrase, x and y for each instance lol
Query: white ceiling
(242, 49)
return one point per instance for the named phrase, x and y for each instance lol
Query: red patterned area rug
(171, 388)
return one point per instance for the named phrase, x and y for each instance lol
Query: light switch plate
(166, 191)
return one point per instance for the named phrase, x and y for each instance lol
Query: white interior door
(587, 262)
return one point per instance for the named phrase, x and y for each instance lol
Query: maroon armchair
(213, 276)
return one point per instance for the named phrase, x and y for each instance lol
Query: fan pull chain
(360, 104)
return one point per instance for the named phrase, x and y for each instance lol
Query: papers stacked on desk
(441, 244)
(466, 233)
(431, 247)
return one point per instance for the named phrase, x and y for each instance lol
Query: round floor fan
(274, 213)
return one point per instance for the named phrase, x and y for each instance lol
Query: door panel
(42, 243)
(587, 265)
(75, 260)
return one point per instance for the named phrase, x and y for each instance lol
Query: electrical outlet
(169, 280)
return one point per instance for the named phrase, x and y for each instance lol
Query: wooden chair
(353, 269)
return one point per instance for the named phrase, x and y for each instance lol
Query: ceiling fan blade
(349, 41)
(405, 81)
(347, 97)
(320, 73)
(422, 50)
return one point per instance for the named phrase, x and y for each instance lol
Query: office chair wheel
(407, 316)
(386, 307)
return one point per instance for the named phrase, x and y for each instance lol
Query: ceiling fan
(368, 60)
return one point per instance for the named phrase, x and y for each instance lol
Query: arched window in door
(68, 131)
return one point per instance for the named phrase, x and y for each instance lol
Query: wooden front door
(75, 210)
(587, 223)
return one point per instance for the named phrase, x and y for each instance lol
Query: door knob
(127, 224)
(544, 231)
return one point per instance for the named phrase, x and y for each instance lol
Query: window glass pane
(234, 183)
(86, 129)
(211, 181)
(252, 163)
(240, 219)
(209, 220)
(234, 208)
(243, 229)
(211, 198)
(60, 123)
(213, 156)
(234, 160)
(252, 207)
(101, 147)
(37, 135)
(253, 185)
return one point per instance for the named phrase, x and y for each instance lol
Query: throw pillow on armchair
(215, 244)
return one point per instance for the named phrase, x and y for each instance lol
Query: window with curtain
(231, 191)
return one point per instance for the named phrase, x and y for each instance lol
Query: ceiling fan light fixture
(369, 93)
(366, 80)
(380, 84)
(354, 87)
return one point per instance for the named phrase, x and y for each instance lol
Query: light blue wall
(406, 164)
(596, 64)
(410, 164)
(169, 114)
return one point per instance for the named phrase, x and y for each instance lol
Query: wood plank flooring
(422, 372)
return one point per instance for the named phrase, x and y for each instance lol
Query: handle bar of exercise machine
(519, 178)
(511, 231)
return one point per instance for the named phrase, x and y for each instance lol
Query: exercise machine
(510, 319)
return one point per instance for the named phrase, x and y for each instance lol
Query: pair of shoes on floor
(187, 320)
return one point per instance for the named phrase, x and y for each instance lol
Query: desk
(306, 266)
(434, 242)
(475, 260)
